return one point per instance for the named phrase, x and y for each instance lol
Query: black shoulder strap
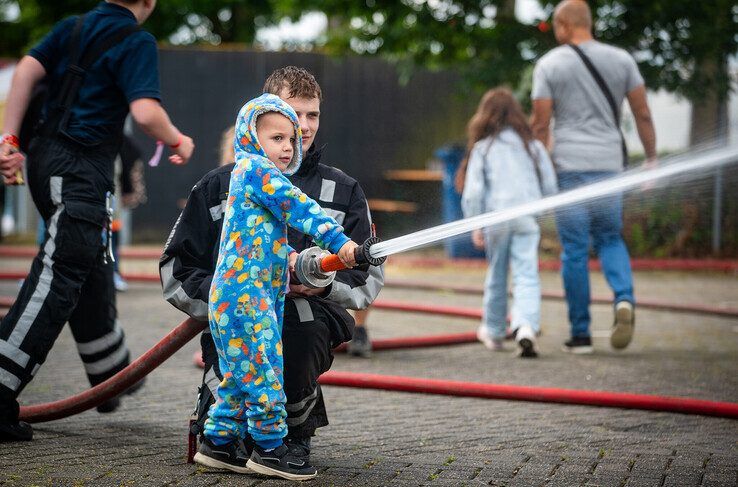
(79, 63)
(74, 43)
(101, 47)
(605, 91)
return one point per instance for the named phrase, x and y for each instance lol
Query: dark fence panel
(369, 121)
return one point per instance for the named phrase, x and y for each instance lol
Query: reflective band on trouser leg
(100, 338)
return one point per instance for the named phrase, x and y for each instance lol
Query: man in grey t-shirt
(587, 146)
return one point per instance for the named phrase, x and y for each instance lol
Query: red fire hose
(6, 302)
(642, 303)
(189, 328)
(535, 394)
(121, 381)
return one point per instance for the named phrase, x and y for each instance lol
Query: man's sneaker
(283, 461)
(494, 344)
(578, 345)
(622, 329)
(300, 447)
(233, 456)
(360, 346)
(121, 285)
(114, 402)
(526, 339)
(15, 431)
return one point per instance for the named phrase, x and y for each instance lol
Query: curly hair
(298, 81)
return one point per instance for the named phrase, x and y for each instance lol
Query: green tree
(189, 21)
(681, 46)
(480, 39)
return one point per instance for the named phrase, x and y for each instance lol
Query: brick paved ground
(390, 438)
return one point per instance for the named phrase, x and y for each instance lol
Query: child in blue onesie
(248, 288)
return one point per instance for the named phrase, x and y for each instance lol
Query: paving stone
(379, 438)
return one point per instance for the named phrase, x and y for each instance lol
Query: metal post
(717, 207)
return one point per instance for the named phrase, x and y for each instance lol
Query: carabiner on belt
(109, 204)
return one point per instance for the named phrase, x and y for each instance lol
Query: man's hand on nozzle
(292, 261)
(182, 150)
(346, 254)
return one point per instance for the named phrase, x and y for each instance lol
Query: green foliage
(36, 18)
(479, 39)
(681, 45)
(194, 21)
(673, 40)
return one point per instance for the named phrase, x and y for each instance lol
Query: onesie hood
(246, 143)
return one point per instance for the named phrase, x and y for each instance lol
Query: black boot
(114, 403)
(10, 428)
(360, 345)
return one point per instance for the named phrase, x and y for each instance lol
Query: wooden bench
(423, 175)
(392, 206)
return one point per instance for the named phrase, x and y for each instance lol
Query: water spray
(632, 179)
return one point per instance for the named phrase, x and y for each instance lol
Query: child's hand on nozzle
(346, 254)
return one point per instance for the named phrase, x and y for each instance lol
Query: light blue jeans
(518, 252)
(598, 223)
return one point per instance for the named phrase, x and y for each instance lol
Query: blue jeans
(518, 251)
(602, 219)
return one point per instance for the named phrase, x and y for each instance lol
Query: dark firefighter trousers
(69, 280)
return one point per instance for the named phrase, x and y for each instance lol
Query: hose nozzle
(316, 268)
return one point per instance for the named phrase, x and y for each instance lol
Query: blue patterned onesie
(248, 288)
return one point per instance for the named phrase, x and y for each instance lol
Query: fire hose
(314, 267)
(728, 312)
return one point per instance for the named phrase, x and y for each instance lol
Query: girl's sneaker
(494, 344)
(281, 462)
(526, 339)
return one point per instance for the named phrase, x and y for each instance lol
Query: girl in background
(507, 167)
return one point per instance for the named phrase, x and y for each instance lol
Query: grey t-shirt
(585, 135)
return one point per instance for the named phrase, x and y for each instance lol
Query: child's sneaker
(282, 462)
(233, 456)
(526, 339)
(622, 329)
(578, 345)
(494, 344)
